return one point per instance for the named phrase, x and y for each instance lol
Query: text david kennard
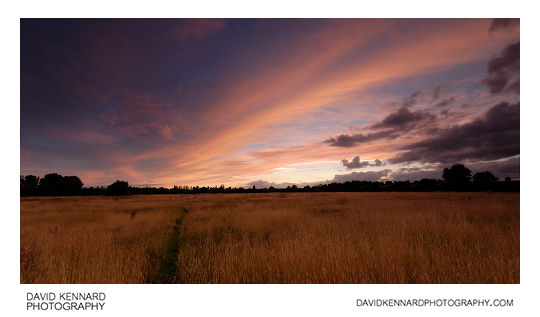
(65, 301)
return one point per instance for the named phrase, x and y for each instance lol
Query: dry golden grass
(92, 239)
(275, 238)
(352, 238)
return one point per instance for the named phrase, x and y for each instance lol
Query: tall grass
(352, 238)
(274, 238)
(92, 239)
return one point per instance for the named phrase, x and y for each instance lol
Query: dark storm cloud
(345, 140)
(508, 168)
(507, 60)
(491, 137)
(503, 24)
(514, 87)
(501, 69)
(404, 119)
(356, 163)
(500, 168)
(394, 125)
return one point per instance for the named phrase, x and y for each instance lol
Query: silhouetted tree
(427, 185)
(457, 177)
(484, 180)
(52, 184)
(29, 185)
(72, 185)
(32, 182)
(24, 189)
(118, 188)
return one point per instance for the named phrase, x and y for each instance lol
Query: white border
(266, 300)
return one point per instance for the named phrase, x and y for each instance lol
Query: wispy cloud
(114, 87)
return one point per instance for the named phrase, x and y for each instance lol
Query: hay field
(272, 238)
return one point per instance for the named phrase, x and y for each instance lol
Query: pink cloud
(283, 86)
(286, 94)
(143, 114)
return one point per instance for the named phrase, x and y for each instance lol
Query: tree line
(50, 185)
(456, 178)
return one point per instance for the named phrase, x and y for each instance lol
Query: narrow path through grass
(165, 272)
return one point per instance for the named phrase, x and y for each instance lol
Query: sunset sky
(266, 102)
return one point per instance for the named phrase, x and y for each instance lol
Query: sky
(268, 102)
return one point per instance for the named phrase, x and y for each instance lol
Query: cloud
(500, 168)
(446, 102)
(413, 174)
(370, 176)
(404, 119)
(231, 96)
(514, 87)
(356, 163)
(501, 69)
(345, 140)
(410, 100)
(493, 136)
(392, 126)
(503, 24)
(283, 92)
(508, 167)
(142, 114)
(437, 92)
(197, 29)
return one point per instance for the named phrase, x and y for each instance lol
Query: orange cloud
(283, 81)
(286, 94)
